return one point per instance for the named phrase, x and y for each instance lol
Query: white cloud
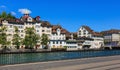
(2, 6)
(13, 13)
(24, 11)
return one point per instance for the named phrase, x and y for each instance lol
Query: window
(53, 42)
(21, 34)
(84, 33)
(21, 30)
(43, 30)
(57, 42)
(37, 26)
(79, 32)
(10, 34)
(29, 19)
(10, 26)
(60, 42)
(21, 26)
(58, 31)
(18, 30)
(84, 30)
(60, 38)
(37, 30)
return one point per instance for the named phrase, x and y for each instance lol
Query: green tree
(16, 38)
(31, 38)
(44, 41)
(3, 37)
(0, 15)
(3, 15)
(6, 16)
(10, 16)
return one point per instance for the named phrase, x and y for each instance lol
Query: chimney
(26, 16)
(38, 18)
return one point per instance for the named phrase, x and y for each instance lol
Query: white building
(72, 45)
(84, 31)
(87, 32)
(96, 43)
(58, 37)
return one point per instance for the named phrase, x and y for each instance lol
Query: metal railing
(29, 57)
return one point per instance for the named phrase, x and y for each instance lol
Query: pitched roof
(45, 24)
(88, 29)
(74, 33)
(91, 31)
(63, 31)
(55, 27)
(23, 19)
(67, 33)
(98, 34)
(112, 31)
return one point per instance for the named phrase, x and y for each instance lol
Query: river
(39, 57)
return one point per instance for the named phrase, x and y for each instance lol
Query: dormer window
(58, 31)
(5, 21)
(38, 18)
(29, 19)
(10, 26)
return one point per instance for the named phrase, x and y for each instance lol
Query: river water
(39, 57)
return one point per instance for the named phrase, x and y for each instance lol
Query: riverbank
(7, 51)
(47, 51)
(96, 63)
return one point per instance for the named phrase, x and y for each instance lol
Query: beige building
(111, 38)
(41, 27)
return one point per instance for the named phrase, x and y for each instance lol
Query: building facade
(58, 37)
(84, 31)
(41, 27)
(111, 38)
(86, 34)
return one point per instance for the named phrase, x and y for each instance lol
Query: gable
(29, 19)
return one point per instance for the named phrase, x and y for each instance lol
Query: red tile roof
(91, 31)
(88, 29)
(45, 24)
(112, 31)
(63, 31)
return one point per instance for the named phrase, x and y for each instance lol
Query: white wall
(97, 43)
(57, 38)
(115, 37)
(72, 46)
(112, 37)
(81, 32)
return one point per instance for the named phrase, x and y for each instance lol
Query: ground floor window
(72, 46)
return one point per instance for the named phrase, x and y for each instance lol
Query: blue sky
(71, 14)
